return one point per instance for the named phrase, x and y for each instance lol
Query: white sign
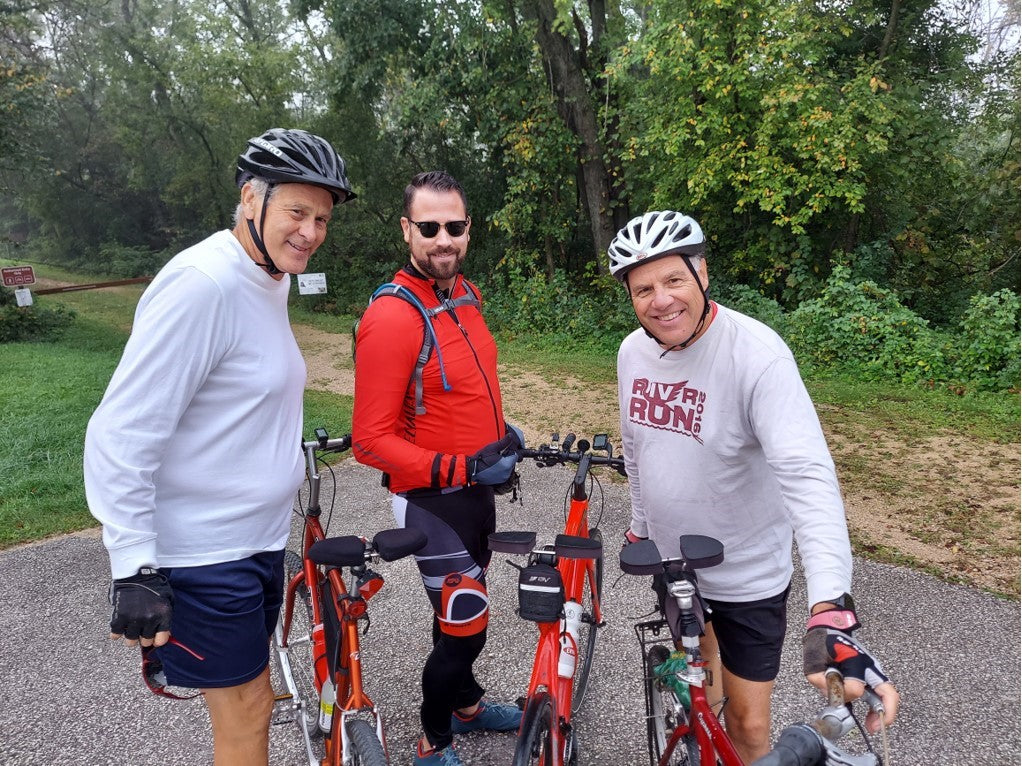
(23, 296)
(311, 284)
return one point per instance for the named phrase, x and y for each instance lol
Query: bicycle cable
(333, 494)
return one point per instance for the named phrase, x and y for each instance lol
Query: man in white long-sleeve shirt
(192, 458)
(720, 438)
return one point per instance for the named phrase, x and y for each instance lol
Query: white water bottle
(569, 640)
(326, 705)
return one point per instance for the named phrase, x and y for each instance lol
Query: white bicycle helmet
(651, 236)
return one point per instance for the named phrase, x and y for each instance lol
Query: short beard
(425, 265)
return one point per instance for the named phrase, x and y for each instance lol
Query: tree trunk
(575, 106)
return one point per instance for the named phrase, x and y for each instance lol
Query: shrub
(749, 301)
(987, 341)
(864, 329)
(126, 262)
(30, 323)
(586, 310)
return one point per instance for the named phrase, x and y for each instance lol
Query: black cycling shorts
(750, 634)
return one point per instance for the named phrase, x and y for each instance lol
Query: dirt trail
(949, 503)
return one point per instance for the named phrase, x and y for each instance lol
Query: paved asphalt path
(71, 696)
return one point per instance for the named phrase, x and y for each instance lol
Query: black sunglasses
(430, 229)
(153, 675)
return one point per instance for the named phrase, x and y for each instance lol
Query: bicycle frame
(573, 573)
(714, 744)
(696, 719)
(344, 612)
(558, 677)
(351, 697)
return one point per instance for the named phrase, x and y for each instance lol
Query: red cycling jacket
(426, 450)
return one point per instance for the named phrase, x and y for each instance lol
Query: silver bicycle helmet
(295, 156)
(651, 236)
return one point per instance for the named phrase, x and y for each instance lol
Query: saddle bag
(540, 593)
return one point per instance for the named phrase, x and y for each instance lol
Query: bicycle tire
(295, 663)
(661, 720)
(587, 633)
(366, 748)
(534, 746)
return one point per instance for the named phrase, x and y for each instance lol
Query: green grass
(560, 361)
(50, 391)
(914, 412)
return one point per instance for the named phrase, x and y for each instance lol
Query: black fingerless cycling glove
(142, 604)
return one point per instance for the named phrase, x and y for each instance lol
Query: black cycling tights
(453, 568)
(448, 683)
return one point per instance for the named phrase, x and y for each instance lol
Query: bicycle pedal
(279, 719)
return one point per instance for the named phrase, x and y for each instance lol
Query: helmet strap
(270, 266)
(702, 317)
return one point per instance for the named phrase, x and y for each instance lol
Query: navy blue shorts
(226, 613)
(750, 635)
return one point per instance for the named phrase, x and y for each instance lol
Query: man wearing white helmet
(720, 438)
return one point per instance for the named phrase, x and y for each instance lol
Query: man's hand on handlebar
(494, 464)
(631, 537)
(829, 642)
(142, 606)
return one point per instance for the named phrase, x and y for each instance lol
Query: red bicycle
(682, 728)
(559, 589)
(316, 643)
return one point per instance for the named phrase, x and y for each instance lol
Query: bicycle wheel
(534, 747)
(661, 718)
(587, 631)
(366, 749)
(295, 663)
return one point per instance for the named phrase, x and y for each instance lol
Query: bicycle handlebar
(322, 443)
(559, 454)
(814, 744)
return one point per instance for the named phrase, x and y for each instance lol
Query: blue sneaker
(444, 757)
(491, 716)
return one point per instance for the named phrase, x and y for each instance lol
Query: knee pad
(464, 606)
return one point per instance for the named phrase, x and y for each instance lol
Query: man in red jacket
(437, 432)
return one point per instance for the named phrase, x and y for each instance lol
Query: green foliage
(987, 342)
(30, 323)
(752, 303)
(751, 130)
(129, 262)
(590, 311)
(860, 327)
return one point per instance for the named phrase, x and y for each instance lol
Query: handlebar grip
(798, 745)
(568, 441)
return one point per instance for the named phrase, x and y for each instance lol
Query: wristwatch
(841, 617)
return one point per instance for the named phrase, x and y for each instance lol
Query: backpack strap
(429, 339)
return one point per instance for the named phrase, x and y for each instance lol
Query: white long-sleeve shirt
(722, 439)
(193, 457)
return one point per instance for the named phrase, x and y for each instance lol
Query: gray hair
(259, 187)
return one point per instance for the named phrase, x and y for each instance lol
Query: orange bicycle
(316, 643)
(559, 589)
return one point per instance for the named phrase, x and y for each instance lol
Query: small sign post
(18, 276)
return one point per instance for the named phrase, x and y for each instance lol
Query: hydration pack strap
(429, 339)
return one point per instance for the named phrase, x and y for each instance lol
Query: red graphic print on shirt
(667, 406)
